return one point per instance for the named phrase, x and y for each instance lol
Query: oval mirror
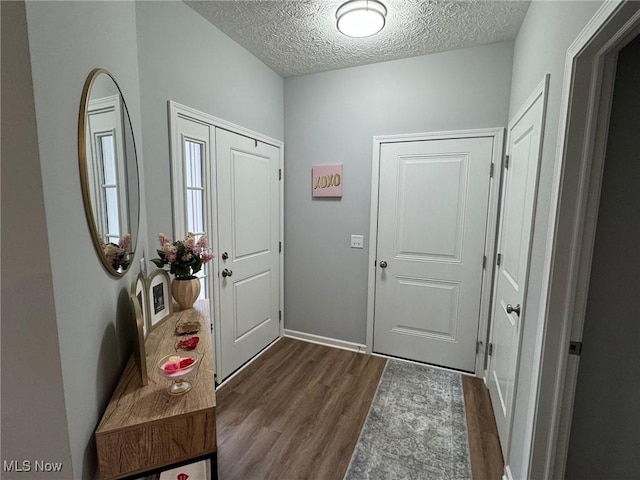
(108, 171)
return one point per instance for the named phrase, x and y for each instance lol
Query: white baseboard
(329, 342)
(507, 473)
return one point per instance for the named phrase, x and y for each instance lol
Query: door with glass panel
(193, 203)
(227, 185)
(107, 173)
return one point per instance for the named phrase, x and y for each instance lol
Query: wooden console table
(144, 429)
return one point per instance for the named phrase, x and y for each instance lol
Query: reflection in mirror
(108, 171)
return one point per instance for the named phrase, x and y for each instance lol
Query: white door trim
(176, 110)
(585, 106)
(497, 134)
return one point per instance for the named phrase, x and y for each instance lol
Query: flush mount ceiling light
(361, 18)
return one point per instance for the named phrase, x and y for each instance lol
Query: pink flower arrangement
(118, 256)
(184, 257)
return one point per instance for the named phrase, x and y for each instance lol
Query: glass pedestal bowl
(177, 368)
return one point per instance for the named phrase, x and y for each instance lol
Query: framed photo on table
(159, 298)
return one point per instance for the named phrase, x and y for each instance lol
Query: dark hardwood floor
(484, 444)
(297, 412)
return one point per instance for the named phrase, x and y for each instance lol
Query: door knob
(225, 255)
(227, 273)
(515, 309)
(383, 264)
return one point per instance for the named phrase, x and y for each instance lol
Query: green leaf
(157, 262)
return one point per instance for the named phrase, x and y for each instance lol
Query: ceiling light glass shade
(361, 18)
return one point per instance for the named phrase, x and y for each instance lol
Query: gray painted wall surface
(605, 430)
(332, 117)
(68, 40)
(185, 59)
(34, 420)
(541, 46)
(91, 307)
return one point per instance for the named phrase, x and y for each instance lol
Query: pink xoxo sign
(326, 181)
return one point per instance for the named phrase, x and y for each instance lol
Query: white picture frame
(158, 288)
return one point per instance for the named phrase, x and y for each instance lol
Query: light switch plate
(357, 241)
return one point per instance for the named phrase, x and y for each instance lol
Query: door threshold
(415, 362)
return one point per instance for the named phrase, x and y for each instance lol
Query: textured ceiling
(298, 37)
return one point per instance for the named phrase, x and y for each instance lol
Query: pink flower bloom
(202, 242)
(207, 256)
(170, 252)
(125, 243)
(163, 239)
(190, 241)
(187, 256)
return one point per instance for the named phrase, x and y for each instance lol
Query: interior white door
(248, 239)
(514, 245)
(432, 217)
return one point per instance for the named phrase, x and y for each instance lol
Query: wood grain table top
(133, 404)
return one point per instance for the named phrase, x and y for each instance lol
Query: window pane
(195, 214)
(108, 160)
(111, 204)
(193, 164)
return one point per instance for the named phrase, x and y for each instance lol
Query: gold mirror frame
(84, 173)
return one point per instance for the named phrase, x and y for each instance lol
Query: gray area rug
(416, 428)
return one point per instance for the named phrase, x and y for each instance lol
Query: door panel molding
(497, 136)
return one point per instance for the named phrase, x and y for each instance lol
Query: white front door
(432, 220)
(248, 241)
(514, 245)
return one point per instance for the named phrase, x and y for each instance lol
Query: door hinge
(484, 262)
(575, 348)
(280, 315)
(506, 161)
(279, 247)
(499, 259)
(491, 170)
(279, 174)
(490, 349)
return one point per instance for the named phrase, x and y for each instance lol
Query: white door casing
(248, 232)
(434, 196)
(515, 232)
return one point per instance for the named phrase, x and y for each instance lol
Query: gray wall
(605, 430)
(541, 46)
(185, 59)
(34, 420)
(78, 314)
(332, 117)
(67, 40)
